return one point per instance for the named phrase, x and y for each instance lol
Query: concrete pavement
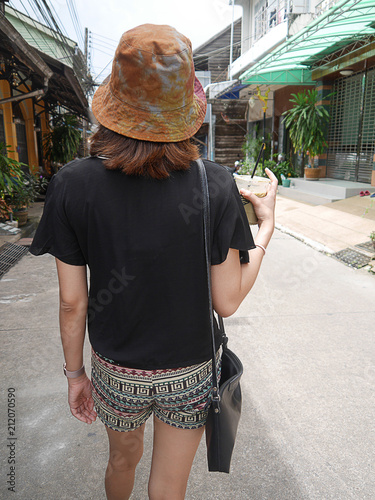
(305, 334)
(333, 226)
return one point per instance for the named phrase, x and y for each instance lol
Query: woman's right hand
(80, 399)
(264, 208)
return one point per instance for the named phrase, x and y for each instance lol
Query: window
(267, 14)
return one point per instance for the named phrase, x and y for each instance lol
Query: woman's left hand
(80, 399)
(264, 207)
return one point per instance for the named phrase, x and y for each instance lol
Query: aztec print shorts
(125, 397)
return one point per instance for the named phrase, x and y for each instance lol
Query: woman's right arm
(231, 280)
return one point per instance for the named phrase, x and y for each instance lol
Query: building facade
(41, 75)
(288, 46)
(224, 130)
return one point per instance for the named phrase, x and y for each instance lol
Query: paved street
(306, 337)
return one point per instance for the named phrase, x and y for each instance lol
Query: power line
(17, 14)
(51, 23)
(75, 21)
(59, 20)
(216, 51)
(102, 36)
(103, 70)
(62, 49)
(78, 63)
(106, 53)
(54, 22)
(100, 42)
(109, 47)
(36, 12)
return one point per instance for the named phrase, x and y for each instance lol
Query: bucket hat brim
(162, 126)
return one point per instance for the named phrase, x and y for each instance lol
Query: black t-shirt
(142, 240)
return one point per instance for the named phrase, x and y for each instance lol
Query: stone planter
(21, 216)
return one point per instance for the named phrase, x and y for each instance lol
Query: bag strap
(207, 247)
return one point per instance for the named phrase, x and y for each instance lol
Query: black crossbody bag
(225, 410)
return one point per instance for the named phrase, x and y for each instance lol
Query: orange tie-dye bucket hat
(152, 93)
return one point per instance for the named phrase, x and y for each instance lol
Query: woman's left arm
(73, 311)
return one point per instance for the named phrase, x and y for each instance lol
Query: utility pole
(86, 51)
(231, 44)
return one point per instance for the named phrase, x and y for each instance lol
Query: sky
(199, 20)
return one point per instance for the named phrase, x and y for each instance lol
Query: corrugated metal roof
(290, 63)
(41, 37)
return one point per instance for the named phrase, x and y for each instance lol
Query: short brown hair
(135, 157)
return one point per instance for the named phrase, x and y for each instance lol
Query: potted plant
(306, 123)
(372, 238)
(284, 172)
(62, 142)
(11, 178)
(29, 188)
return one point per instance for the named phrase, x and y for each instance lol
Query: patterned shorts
(125, 397)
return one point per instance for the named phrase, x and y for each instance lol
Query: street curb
(314, 244)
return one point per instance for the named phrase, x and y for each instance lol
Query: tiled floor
(336, 225)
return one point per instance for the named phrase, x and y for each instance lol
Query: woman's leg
(172, 458)
(125, 451)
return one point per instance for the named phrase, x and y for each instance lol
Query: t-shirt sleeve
(231, 229)
(55, 234)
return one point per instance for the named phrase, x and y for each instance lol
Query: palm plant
(307, 124)
(11, 173)
(62, 142)
(11, 181)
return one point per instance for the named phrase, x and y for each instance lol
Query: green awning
(282, 76)
(290, 63)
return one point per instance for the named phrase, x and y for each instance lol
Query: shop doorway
(351, 136)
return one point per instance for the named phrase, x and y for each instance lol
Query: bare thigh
(173, 454)
(125, 448)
